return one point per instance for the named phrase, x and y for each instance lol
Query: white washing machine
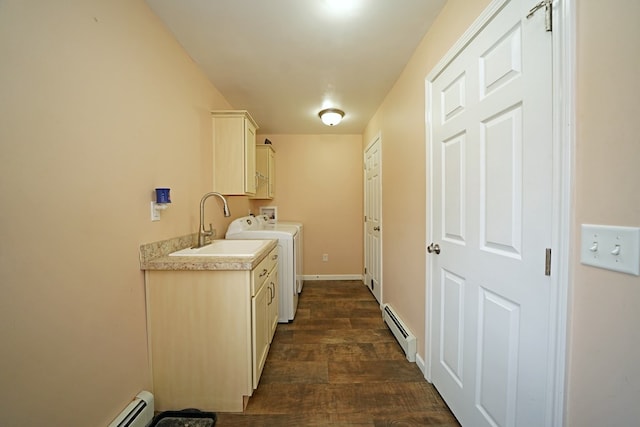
(267, 225)
(248, 227)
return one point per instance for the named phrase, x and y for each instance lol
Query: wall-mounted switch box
(611, 247)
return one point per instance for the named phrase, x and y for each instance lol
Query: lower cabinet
(272, 306)
(209, 334)
(264, 309)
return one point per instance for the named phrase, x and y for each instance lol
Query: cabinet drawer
(272, 259)
(259, 274)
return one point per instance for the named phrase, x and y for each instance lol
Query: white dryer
(267, 224)
(248, 227)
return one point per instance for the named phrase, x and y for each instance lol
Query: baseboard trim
(332, 277)
(421, 366)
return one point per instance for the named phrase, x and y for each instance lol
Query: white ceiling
(285, 60)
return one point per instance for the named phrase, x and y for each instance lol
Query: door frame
(376, 138)
(564, 80)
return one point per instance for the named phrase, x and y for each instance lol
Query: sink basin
(227, 248)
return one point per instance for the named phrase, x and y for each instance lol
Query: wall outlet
(611, 247)
(325, 257)
(155, 214)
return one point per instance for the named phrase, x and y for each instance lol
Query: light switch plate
(611, 247)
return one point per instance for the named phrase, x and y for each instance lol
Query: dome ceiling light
(331, 116)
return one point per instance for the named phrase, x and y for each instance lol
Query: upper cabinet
(234, 152)
(265, 171)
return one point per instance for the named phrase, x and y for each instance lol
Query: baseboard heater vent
(138, 413)
(405, 338)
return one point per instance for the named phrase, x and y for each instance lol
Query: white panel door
(491, 211)
(373, 215)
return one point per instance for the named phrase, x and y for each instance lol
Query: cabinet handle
(271, 293)
(275, 257)
(264, 272)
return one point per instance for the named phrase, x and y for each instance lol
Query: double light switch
(611, 247)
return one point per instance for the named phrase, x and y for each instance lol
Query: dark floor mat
(184, 418)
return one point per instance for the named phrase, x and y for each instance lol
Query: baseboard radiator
(405, 338)
(138, 413)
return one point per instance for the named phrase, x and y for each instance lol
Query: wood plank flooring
(337, 364)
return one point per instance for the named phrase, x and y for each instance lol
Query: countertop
(155, 256)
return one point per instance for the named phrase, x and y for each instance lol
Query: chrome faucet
(202, 233)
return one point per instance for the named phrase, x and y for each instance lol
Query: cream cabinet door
(265, 172)
(234, 152)
(260, 330)
(273, 300)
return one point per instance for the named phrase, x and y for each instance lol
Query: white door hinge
(547, 262)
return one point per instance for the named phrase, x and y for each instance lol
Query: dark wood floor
(337, 364)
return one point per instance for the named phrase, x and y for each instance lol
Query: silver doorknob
(376, 228)
(433, 248)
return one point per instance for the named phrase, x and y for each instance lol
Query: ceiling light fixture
(331, 116)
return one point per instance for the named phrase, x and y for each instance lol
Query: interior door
(373, 218)
(491, 183)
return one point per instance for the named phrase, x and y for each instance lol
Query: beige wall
(319, 182)
(604, 343)
(604, 375)
(99, 105)
(401, 122)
